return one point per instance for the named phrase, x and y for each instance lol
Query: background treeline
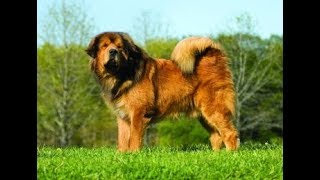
(71, 111)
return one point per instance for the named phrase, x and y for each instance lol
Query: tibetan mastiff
(141, 90)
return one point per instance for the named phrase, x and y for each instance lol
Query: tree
(253, 63)
(150, 27)
(66, 23)
(68, 96)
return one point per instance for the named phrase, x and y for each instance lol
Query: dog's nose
(113, 52)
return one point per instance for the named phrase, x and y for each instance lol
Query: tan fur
(162, 87)
(184, 52)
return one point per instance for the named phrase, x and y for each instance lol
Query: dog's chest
(117, 106)
(120, 109)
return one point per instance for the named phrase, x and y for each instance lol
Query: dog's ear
(92, 48)
(134, 51)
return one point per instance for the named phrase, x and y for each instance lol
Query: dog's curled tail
(185, 52)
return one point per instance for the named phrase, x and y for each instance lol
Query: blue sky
(183, 17)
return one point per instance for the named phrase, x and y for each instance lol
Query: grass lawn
(252, 161)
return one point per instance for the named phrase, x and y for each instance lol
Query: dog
(142, 90)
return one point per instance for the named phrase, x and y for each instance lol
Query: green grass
(252, 161)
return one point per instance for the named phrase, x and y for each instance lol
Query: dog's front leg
(123, 134)
(137, 127)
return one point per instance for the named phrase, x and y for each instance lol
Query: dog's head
(114, 53)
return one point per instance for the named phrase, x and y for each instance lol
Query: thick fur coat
(141, 90)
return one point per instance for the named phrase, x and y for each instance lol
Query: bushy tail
(184, 54)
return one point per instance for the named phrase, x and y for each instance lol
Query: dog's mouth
(112, 66)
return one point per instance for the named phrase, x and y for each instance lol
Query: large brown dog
(141, 90)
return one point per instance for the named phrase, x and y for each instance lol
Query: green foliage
(181, 132)
(160, 48)
(68, 98)
(100, 131)
(253, 161)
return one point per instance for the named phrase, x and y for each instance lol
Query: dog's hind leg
(215, 138)
(217, 107)
(224, 126)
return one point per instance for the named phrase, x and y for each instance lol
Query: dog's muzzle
(112, 53)
(113, 64)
